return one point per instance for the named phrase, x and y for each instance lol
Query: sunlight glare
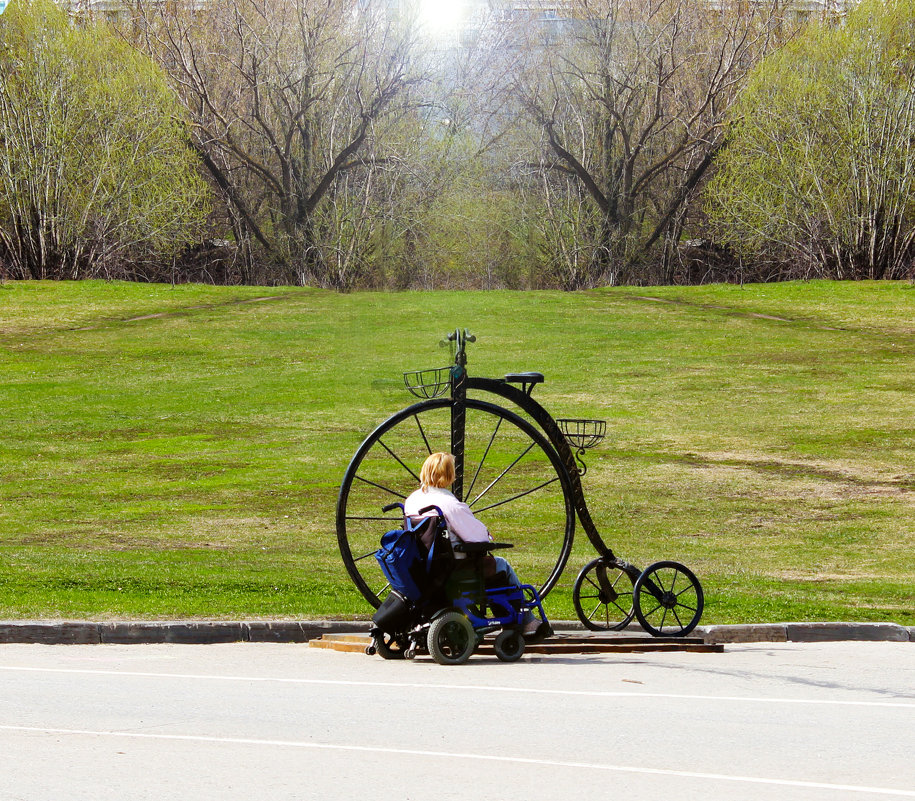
(443, 18)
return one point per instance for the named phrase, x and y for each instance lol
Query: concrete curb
(185, 632)
(209, 632)
(807, 632)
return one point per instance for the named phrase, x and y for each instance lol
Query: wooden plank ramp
(557, 644)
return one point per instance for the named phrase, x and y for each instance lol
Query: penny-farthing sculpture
(520, 471)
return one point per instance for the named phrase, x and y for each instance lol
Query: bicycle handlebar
(461, 338)
(458, 337)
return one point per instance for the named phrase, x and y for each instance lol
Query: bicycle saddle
(524, 378)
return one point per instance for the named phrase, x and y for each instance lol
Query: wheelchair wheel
(668, 599)
(514, 481)
(451, 639)
(603, 597)
(390, 646)
(509, 646)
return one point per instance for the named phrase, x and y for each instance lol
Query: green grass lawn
(177, 451)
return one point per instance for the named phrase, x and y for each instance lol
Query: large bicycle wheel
(514, 481)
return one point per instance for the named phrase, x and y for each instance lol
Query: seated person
(436, 476)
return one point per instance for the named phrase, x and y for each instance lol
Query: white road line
(473, 688)
(687, 774)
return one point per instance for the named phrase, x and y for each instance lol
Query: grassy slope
(187, 463)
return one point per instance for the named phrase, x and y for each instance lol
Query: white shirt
(458, 516)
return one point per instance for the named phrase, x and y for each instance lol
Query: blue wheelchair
(442, 600)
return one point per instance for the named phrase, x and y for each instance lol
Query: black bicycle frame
(546, 422)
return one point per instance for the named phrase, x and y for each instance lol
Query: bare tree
(452, 215)
(287, 97)
(629, 102)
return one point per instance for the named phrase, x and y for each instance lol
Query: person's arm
(464, 525)
(412, 504)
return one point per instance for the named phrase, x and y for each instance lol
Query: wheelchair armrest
(480, 547)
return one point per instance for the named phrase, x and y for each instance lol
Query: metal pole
(459, 408)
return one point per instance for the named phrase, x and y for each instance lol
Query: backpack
(402, 562)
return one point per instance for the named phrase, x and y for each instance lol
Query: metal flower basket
(429, 383)
(582, 434)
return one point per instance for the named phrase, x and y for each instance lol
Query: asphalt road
(258, 721)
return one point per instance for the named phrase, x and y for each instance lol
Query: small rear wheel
(390, 646)
(451, 639)
(509, 646)
(668, 599)
(603, 596)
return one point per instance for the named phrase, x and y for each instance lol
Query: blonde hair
(437, 471)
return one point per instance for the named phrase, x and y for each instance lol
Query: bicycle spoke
(422, 433)
(399, 460)
(365, 555)
(382, 487)
(652, 611)
(679, 622)
(503, 473)
(485, 454)
(673, 584)
(368, 517)
(515, 497)
(594, 610)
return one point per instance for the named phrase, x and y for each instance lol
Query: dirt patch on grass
(736, 312)
(176, 312)
(821, 577)
(209, 533)
(843, 479)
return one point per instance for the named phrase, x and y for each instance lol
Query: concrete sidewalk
(63, 632)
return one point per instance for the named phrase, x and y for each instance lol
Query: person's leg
(531, 622)
(503, 566)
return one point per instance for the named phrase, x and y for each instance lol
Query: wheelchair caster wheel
(410, 653)
(509, 646)
(390, 646)
(370, 650)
